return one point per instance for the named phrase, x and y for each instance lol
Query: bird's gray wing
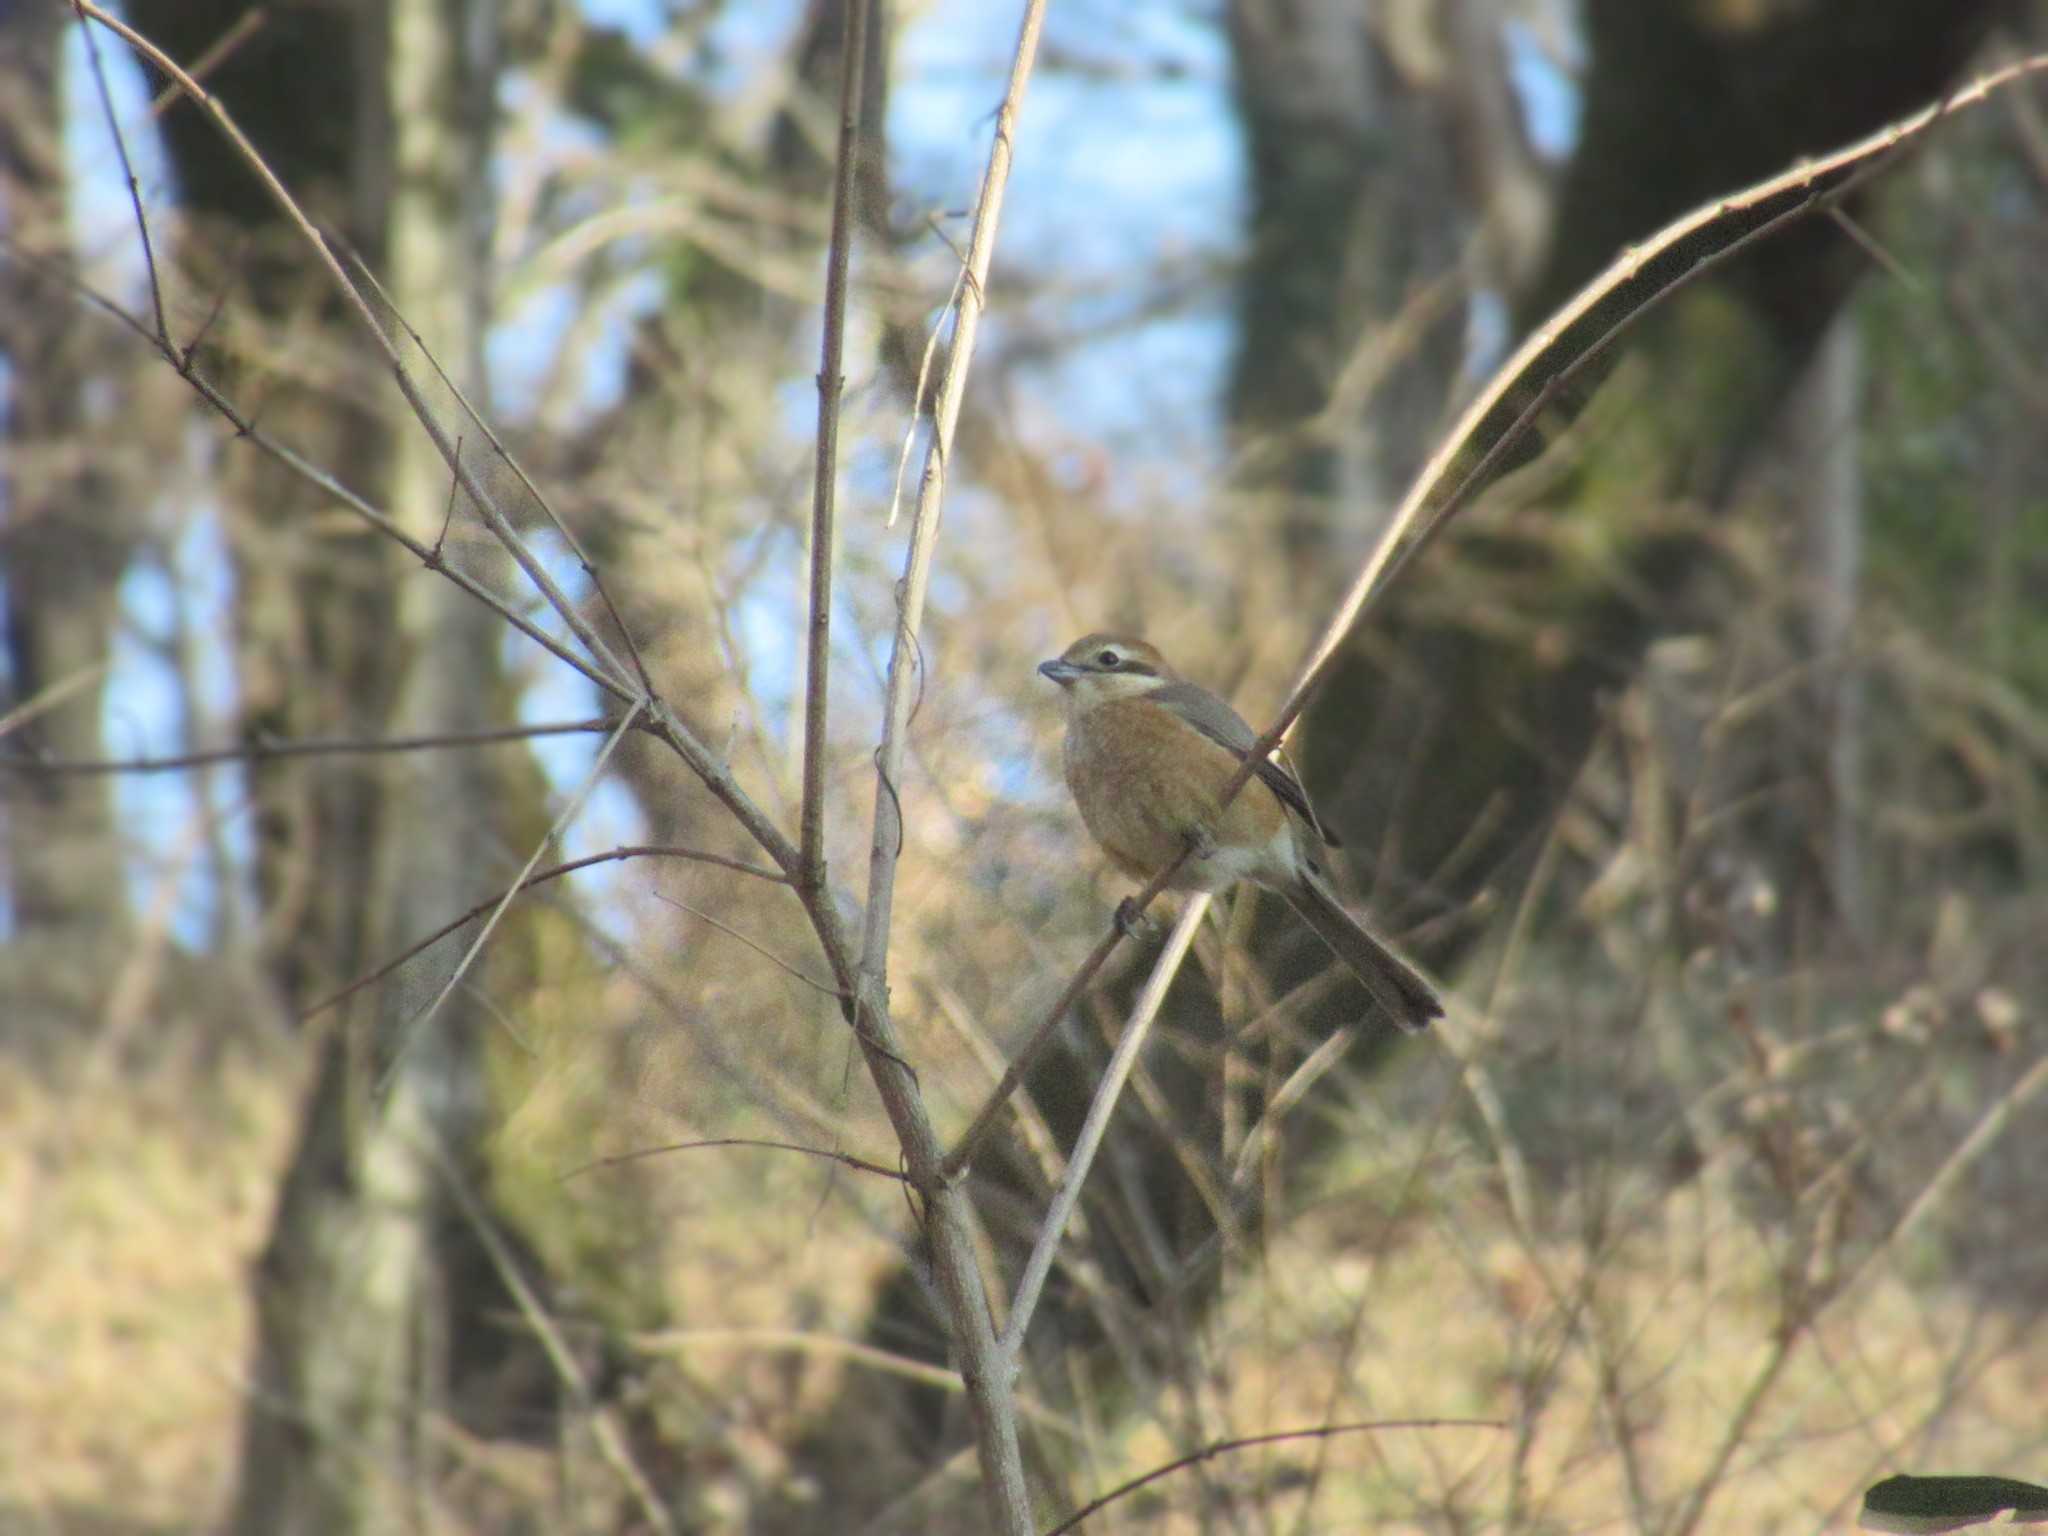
(1225, 726)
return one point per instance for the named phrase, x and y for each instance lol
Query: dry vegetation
(1718, 1195)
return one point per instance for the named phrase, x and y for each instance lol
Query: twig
(1107, 1092)
(831, 387)
(858, 1164)
(310, 746)
(1247, 1442)
(216, 53)
(182, 363)
(99, 78)
(569, 813)
(755, 945)
(983, 1123)
(541, 877)
(45, 701)
(505, 457)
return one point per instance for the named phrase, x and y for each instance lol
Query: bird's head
(1099, 667)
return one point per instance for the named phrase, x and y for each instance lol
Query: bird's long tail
(1394, 984)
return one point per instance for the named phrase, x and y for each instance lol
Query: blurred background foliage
(1704, 759)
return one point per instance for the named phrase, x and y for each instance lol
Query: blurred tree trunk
(1351, 302)
(373, 1291)
(63, 547)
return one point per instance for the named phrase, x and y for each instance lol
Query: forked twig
(352, 295)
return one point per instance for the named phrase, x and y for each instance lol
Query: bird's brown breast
(1145, 781)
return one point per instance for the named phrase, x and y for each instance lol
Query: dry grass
(130, 1219)
(122, 1349)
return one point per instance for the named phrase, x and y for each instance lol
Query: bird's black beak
(1061, 672)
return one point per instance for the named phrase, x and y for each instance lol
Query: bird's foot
(1132, 923)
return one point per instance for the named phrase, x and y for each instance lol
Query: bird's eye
(1109, 659)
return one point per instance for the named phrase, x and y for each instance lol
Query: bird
(1148, 755)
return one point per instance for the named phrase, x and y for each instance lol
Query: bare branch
(1107, 1092)
(831, 385)
(311, 746)
(1224, 1447)
(99, 80)
(949, 1224)
(858, 1164)
(612, 1440)
(486, 505)
(755, 945)
(978, 1129)
(569, 813)
(182, 362)
(634, 851)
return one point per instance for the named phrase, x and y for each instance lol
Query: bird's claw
(1132, 923)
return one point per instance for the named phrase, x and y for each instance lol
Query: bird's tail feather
(1409, 1000)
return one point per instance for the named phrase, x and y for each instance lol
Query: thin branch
(1247, 1442)
(1107, 1092)
(831, 387)
(47, 699)
(1810, 177)
(505, 457)
(106, 95)
(982, 1125)
(858, 1164)
(569, 813)
(755, 945)
(1994, 1122)
(216, 53)
(630, 851)
(600, 664)
(311, 746)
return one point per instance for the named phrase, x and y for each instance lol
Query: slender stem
(831, 386)
(949, 1227)
(1111, 1088)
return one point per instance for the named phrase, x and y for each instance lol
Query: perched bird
(1148, 756)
